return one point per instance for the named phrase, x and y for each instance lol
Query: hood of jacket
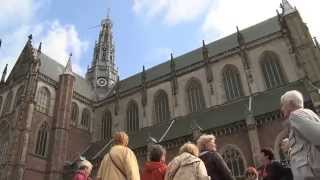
(151, 166)
(187, 159)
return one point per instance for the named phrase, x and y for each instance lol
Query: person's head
(157, 153)
(207, 142)
(291, 101)
(120, 138)
(284, 146)
(266, 155)
(251, 173)
(85, 166)
(189, 148)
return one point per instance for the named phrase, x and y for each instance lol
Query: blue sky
(145, 31)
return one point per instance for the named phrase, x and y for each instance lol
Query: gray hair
(295, 97)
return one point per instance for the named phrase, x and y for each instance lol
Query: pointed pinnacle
(30, 37)
(4, 74)
(203, 43)
(5, 68)
(171, 55)
(68, 68)
(39, 48)
(237, 29)
(316, 42)
(286, 7)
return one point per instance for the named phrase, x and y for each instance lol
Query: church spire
(103, 71)
(4, 73)
(286, 7)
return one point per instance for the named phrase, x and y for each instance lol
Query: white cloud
(225, 15)
(172, 11)
(58, 39)
(61, 40)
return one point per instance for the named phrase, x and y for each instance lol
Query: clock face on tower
(101, 81)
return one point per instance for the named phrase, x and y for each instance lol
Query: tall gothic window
(234, 161)
(232, 82)
(0, 103)
(43, 100)
(195, 96)
(4, 142)
(132, 117)
(271, 69)
(7, 103)
(85, 119)
(161, 106)
(106, 125)
(19, 96)
(74, 113)
(42, 140)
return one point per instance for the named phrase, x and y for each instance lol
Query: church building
(50, 116)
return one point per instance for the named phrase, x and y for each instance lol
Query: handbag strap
(116, 165)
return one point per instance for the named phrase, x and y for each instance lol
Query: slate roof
(249, 34)
(53, 70)
(212, 118)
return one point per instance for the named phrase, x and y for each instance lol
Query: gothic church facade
(50, 116)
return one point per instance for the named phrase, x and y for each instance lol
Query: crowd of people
(201, 161)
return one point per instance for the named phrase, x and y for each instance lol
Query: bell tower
(103, 72)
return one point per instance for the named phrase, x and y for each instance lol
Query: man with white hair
(304, 134)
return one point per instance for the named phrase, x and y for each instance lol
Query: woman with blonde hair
(187, 165)
(120, 163)
(216, 167)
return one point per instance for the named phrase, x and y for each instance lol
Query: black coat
(216, 167)
(278, 171)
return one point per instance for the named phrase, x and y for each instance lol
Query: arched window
(271, 69)
(4, 141)
(232, 82)
(132, 117)
(106, 125)
(234, 161)
(42, 140)
(161, 106)
(7, 103)
(43, 100)
(195, 96)
(85, 119)
(74, 113)
(19, 96)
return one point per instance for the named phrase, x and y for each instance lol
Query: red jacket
(154, 171)
(80, 175)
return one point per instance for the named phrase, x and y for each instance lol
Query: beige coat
(125, 160)
(186, 167)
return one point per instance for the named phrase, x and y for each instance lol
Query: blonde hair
(189, 148)
(121, 138)
(204, 140)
